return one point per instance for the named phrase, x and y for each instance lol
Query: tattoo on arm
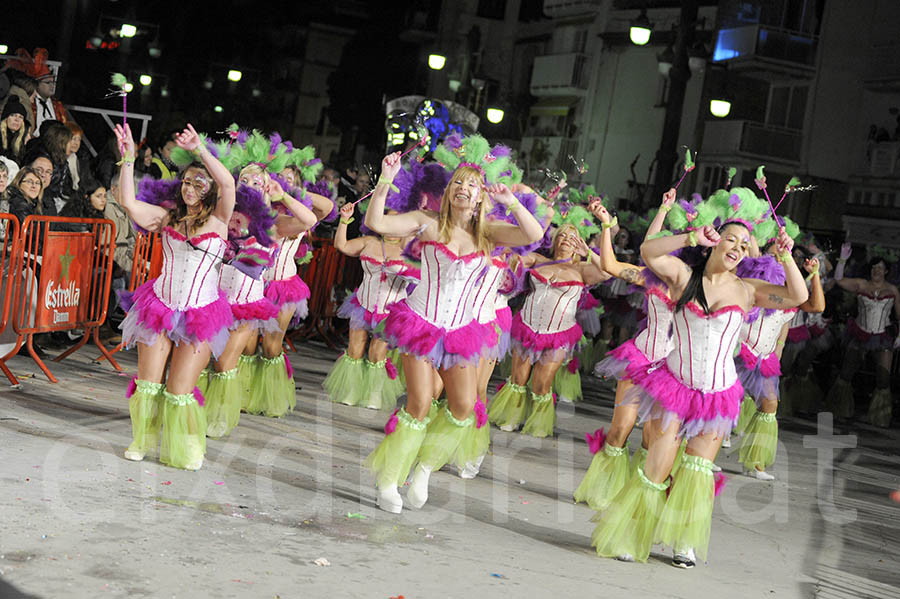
(776, 299)
(630, 275)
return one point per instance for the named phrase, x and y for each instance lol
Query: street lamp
(719, 108)
(217, 108)
(127, 30)
(145, 79)
(665, 60)
(436, 61)
(640, 29)
(4, 48)
(234, 75)
(494, 115)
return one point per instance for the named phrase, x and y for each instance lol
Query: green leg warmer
(443, 438)
(346, 383)
(508, 406)
(393, 458)
(224, 397)
(605, 477)
(542, 419)
(183, 442)
(144, 406)
(272, 392)
(686, 520)
(761, 442)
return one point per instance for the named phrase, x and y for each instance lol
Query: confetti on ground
(356, 515)
(167, 482)
(521, 481)
(321, 561)
(218, 482)
(495, 575)
(398, 597)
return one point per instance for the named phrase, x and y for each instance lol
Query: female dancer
(759, 367)
(272, 387)
(434, 326)
(253, 311)
(357, 379)
(695, 394)
(609, 470)
(868, 333)
(178, 318)
(544, 333)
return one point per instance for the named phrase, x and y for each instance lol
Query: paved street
(81, 521)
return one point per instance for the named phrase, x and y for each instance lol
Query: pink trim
(196, 238)
(699, 311)
(663, 296)
(378, 262)
(541, 278)
(451, 254)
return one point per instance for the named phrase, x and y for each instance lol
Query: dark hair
(694, 289)
(876, 260)
(179, 212)
(55, 139)
(17, 181)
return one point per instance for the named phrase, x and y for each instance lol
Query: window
(492, 9)
(787, 106)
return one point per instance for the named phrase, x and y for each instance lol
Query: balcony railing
(752, 139)
(759, 42)
(882, 160)
(559, 75)
(570, 8)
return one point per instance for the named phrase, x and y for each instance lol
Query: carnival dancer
(544, 332)
(696, 394)
(759, 366)
(867, 333)
(435, 327)
(253, 232)
(177, 319)
(609, 469)
(272, 390)
(357, 378)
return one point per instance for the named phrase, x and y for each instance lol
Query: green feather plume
(578, 217)
(677, 218)
(794, 182)
(688, 160)
(119, 80)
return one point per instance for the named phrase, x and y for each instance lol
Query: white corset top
(240, 288)
(190, 275)
(874, 314)
(654, 341)
(443, 296)
(551, 306)
(486, 292)
(380, 285)
(702, 356)
(285, 267)
(761, 335)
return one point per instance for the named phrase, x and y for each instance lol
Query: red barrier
(146, 265)
(320, 275)
(75, 271)
(9, 226)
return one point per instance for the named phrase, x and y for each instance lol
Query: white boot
(417, 494)
(389, 499)
(472, 468)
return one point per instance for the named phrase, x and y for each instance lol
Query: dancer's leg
(144, 399)
(542, 419)
(183, 419)
(509, 406)
(761, 440)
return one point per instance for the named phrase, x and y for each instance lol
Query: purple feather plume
(242, 136)
(499, 151)
(453, 141)
(250, 203)
(274, 140)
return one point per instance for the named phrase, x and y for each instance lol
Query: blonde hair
(257, 169)
(478, 221)
(18, 142)
(559, 232)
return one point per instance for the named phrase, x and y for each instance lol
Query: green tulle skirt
(760, 443)
(475, 443)
(203, 381)
(605, 477)
(183, 443)
(881, 408)
(247, 365)
(346, 383)
(224, 397)
(627, 525)
(504, 366)
(381, 391)
(509, 404)
(272, 392)
(393, 458)
(443, 441)
(435, 408)
(145, 407)
(567, 385)
(542, 419)
(687, 517)
(840, 399)
(748, 409)
(638, 459)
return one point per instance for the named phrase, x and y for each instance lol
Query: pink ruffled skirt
(289, 293)
(502, 323)
(664, 397)
(544, 347)
(410, 333)
(624, 362)
(148, 317)
(758, 374)
(359, 317)
(860, 339)
(261, 314)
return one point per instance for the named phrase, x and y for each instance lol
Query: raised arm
(608, 262)
(506, 234)
(591, 271)
(348, 248)
(782, 297)
(146, 216)
(656, 224)
(392, 225)
(302, 218)
(321, 205)
(854, 285)
(816, 301)
(673, 271)
(190, 141)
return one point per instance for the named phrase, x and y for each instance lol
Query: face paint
(200, 184)
(254, 181)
